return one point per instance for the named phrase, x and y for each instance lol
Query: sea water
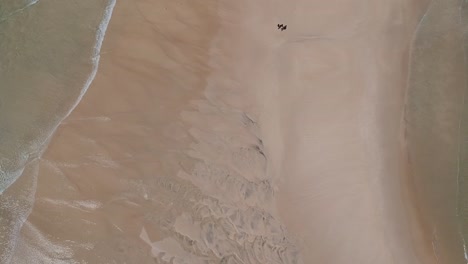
(436, 127)
(462, 172)
(49, 57)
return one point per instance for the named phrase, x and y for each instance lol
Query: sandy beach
(210, 136)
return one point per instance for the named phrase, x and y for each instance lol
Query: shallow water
(435, 132)
(48, 53)
(463, 137)
(47, 48)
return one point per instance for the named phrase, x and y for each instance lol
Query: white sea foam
(100, 34)
(43, 250)
(79, 204)
(8, 175)
(31, 3)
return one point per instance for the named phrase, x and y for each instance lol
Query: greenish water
(46, 52)
(49, 54)
(463, 168)
(437, 126)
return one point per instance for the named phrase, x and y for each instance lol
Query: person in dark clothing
(282, 27)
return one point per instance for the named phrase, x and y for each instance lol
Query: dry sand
(209, 136)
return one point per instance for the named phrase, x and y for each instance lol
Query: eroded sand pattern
(179, 170)
(208, 135)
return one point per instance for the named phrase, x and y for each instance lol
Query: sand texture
(210, 136)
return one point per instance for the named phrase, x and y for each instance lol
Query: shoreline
(433, 123)
(18, 196)
(213, 147)
(154, 67)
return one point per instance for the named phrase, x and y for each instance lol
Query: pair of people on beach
(282, 27)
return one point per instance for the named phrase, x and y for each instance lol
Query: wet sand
(209, 136)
